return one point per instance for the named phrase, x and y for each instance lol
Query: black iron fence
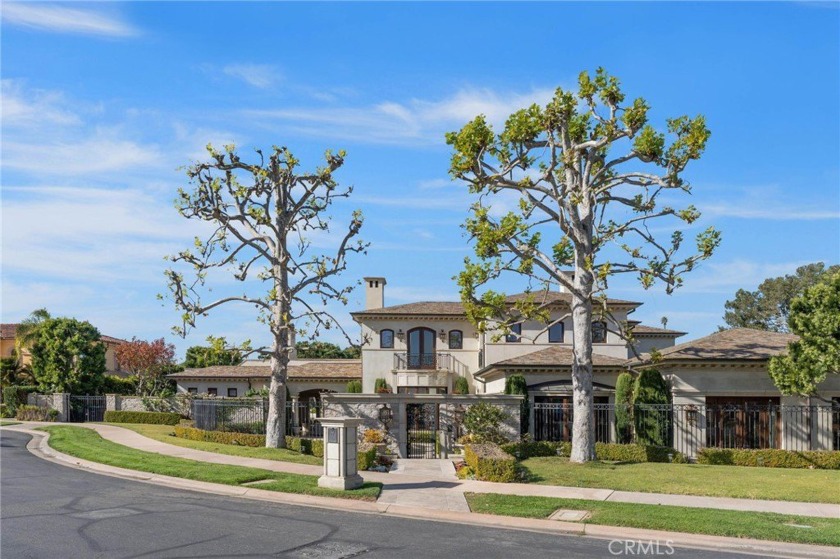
(250, 415)
(86, 408)
(690, 427)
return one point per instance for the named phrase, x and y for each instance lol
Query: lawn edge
(39, 446)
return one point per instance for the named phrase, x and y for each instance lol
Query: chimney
(374, 293)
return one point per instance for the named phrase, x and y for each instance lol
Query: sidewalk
(423, 483)
(405, 482)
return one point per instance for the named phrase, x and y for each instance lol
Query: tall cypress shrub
(624, 408)
(652, 423)
(516, 384)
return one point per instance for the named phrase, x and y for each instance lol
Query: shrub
(315, 447)
(652, 424)
(770, 458)
(113, 384)
(223, 437)
(375, 436)
(483, 421)
(462, 386)
(637, 453)
(354, 387)
(516, 384)
(624, 408)
(365, 456)
(490, 463)
(14, 396)
(35, 413)
(155, 417)
(5, 412)
(528, 449)
(253, 427)
(381, 387)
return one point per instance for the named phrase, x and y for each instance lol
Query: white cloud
(262, 76)
(412, 122)
(104, 152)
(33, 108)
(60, 19)
(775, 213)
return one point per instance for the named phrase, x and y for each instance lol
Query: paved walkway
(432, 484)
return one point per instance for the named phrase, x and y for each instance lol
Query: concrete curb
(39, 446)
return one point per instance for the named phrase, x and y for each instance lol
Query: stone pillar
(112, 402)
(340, 468)
(402, 429)
(295, 418)
(61, 404)
(531, 402)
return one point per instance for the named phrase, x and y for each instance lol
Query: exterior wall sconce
(442, 335)
(691, 414)
(400, 335)
(386, 415)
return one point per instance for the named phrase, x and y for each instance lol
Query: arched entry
(421, 348)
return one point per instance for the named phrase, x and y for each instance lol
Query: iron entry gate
(422, 427)
(87, 408)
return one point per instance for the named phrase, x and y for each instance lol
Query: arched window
(386, 339)
(555, 333)
(456, 339)
(599, 332)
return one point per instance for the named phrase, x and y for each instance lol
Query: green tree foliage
(13, 372)
(462, 386)
(217, 352)
(769, 306)
(68, 356)
(591, 173)
(483, 422)
(113, 384)
(516, 384)
(624, 407)
(354, 387)
(325, 350)
(651, 423)
(815, 318)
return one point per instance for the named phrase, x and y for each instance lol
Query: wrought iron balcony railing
(429, 362)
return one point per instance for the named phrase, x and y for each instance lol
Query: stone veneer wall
(58, 402)
(177, 404)
(367, 406)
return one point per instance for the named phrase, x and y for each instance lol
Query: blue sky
(104, 102)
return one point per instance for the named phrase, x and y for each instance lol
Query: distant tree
(815, 318)
(148, 362)
(318, 350)
(14, 372)
(27, 330)
(218, 352)
(261, 215)
(68, 356)
(591, 174)
(768, 307)
(352, 352)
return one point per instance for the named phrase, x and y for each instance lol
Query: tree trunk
(583, 428)
(275, 423)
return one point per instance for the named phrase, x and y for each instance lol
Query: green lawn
(165, 433)
(4, 422)
(783, 484)
(763, 526)
(88, 445)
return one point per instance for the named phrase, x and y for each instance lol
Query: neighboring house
(7, 346)
(307, 378)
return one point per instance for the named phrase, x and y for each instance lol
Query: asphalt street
(52, 511)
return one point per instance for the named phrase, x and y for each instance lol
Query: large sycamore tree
(590, 175)
(263, 216)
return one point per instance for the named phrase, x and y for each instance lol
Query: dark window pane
(232, 393)
(212, 391)
(386, 339)
(515, 332)
(599, 332)
(456, 339)
(192, 390)
(555, 333)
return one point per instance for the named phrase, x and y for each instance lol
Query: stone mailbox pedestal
(340, 469)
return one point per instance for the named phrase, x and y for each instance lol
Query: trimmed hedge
(223, 437)
(603, 451)
(154, 417)
(770, 458)
(490, 463)
(315, 447)
(529, 449)
(35, 413)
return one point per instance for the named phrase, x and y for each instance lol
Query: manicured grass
(781, 484)
(758, 525)
(88, 445)
(165, 434)
(4, 423)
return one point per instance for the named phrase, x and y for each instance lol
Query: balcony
(431, 362)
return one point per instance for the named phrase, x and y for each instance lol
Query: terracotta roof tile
(642, 329)
(557, 356)
(342, 369)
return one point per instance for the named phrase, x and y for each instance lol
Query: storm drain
(329, 550)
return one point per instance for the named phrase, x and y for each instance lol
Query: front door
(421, 349)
